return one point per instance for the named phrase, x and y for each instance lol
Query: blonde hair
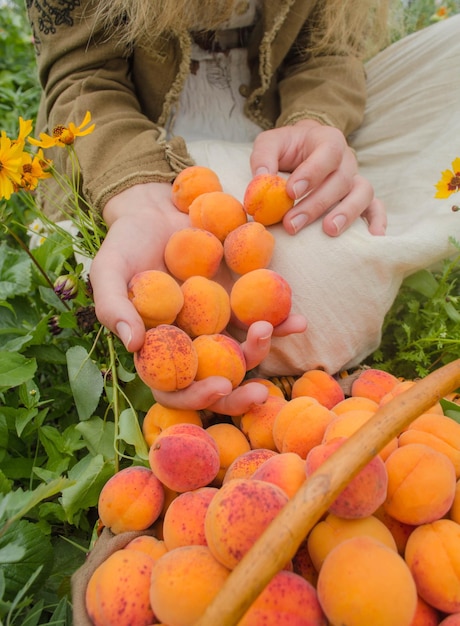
(359, 27)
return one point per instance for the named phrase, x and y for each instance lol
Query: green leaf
(423, 282)
(130, 432)
(450, 409)
(89, 474)
(85, 380)
(99, 436)
(37, 552)
(15, 274)
(15, 369)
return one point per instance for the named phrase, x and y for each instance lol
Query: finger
(197, 396)
(113, 308)
(264, 158)
(319, 202)
(241, 399)
(325, 159)
(257, 344)
(294, 324)
(376, 217)
(352, 206)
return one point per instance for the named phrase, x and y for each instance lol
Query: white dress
(344, 286)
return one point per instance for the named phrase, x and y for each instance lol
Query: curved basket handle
(282, 538)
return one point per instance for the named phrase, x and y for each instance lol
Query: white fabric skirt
(344, 286)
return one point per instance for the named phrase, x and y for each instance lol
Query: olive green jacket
(131, 96)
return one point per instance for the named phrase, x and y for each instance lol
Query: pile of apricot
(387, 551)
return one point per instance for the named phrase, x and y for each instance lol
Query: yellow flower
(64, 135)
(11, 159)
(25, 128)
(34, 169)
(450, 181)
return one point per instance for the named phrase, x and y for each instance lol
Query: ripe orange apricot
(206, 307)
(156, 296)
(193, 251)
(373, 384)
(192, 182)
(167, 359)
(118, 591)
(248, 247)
(261, 294)
(159, 417)
(218, 212)
(363, 582)
(219, 355)
(231, 442)
(318, 384)
(266, 199)
(132, 499)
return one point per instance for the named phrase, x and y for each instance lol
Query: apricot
(320, 385)
(218, 212)
(191, 183)
(206, 307)
(148, 544)
(183, 523)
(285, 470)
(246, 464)
(238, 514)
(132, 499)
(363, 494)
(159, 417)
(273, 389)
(400, 531)
(219, 355)
(454, 512)
(373, 384)
(193, 251)
(184, 457)
(303, 565)
(167, 360)
(451, 620)
(261, 294)
(421, 484)
(249, 247)
(437, 431)
(287, 599)
(156, 296)
(349, 422)
(184, 582)
(362, 582)
(231, 442)
(328, 533)
(266, 199)
(403, 386)
(118, 591)
(258, 421)
(433, 556)
(355, 403)
(300, 425)
(426, 615)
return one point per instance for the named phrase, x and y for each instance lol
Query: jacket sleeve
(329, 87)
(82, 69)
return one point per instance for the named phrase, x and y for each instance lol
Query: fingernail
(261, 170)
(300, 188)
(124, 332)
(299, 221)
(339, 222)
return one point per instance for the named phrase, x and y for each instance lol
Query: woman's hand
(324, 177)
(141, 220)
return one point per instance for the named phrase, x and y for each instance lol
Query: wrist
(141, 198)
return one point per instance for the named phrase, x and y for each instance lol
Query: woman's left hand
(324, 178)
